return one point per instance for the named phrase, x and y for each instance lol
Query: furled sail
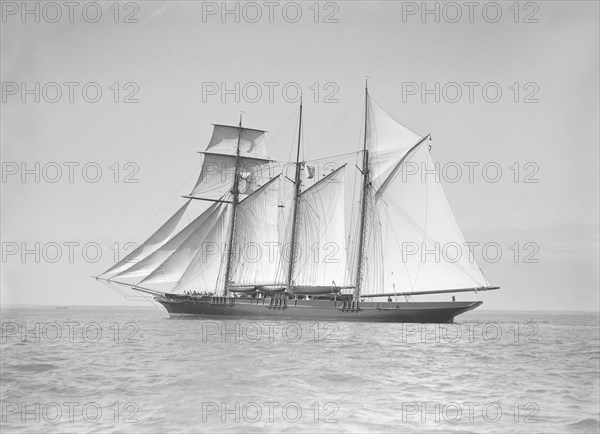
(412, 240)
(321, 255)
(171, 227)
(256, 245)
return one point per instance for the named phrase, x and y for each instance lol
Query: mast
(295, 211)
(235, 202)
(363, 205)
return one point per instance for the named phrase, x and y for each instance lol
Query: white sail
(225, 141)
(412, 240)
(171, 227)
(256, 243)
(373, 254)
(140, 270)
(198, 246)
(387, 142)
(183, 251)
(206, 269)
(321, 257)
(218, 172)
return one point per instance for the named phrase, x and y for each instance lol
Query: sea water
(82, 369)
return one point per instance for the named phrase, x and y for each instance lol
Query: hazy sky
(177, 50)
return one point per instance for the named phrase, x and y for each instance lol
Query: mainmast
(363, 205)
(236, 199)
(297, 183)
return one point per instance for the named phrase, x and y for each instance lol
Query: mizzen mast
(236, 200)
(363, 204)
(297, 182)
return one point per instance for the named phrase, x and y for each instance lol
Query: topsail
(225, 140)
(218, 167)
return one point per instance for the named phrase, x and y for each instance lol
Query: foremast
(363, 202)
(297, 186)
(235, 191)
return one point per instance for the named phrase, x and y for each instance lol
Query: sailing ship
(250, 242)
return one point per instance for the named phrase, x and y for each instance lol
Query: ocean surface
(81, 369)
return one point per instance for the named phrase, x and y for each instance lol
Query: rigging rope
(335, 126)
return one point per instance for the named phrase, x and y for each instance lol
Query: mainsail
(412, 241)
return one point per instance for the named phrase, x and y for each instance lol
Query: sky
(499, 86)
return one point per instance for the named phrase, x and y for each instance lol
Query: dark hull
(321, 310)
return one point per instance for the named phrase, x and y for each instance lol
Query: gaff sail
(256, 243)
(412, 239)
(321, 235)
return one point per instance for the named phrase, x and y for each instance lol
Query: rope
(336, 125)
(279, 131)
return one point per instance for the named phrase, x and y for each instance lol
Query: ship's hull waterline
(316, 310)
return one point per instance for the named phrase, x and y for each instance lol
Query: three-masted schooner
(248, 251)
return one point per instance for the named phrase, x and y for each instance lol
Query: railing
(350, 306)
(222, 301)
(278, 303)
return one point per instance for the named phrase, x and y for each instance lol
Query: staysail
(171, 227)
(201, 245)
(142, 269)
